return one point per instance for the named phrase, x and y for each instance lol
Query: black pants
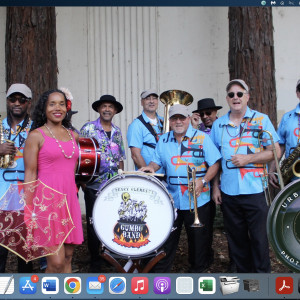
(198, 241)
(23, 267)
(92, 238)
(245, 219)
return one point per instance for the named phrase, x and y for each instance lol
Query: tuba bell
(171, 97)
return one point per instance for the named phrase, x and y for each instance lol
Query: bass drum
(89, 160)
(283, 225)
(133, 215)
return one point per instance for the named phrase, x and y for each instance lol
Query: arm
(273, 180)
(241, 160)
(215, 186)
(151, 168)
(137, 157)
(121, 165)
(31, 151)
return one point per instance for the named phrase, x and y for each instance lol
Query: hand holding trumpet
(198, 187)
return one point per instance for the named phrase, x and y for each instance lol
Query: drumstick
(120, 172)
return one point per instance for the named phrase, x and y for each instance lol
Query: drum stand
(135, 262)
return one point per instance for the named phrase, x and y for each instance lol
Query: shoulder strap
(149, 127)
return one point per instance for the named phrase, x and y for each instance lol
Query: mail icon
(94, 285)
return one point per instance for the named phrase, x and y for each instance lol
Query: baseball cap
(239, 82)
(149, 92)
(19, 88)
(178, 109)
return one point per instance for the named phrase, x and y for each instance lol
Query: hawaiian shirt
(138, 135)
(15, 173)
(112, 151)
(196, 150)
(289, 130)
(231, 140)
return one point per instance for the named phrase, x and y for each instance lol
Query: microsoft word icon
(207, 285)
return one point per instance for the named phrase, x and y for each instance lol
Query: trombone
(264, 176)
(197, 222)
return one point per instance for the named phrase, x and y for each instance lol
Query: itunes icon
(162, 285)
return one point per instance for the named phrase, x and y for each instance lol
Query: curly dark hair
(39, 114)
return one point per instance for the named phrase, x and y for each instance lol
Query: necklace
(59, 145)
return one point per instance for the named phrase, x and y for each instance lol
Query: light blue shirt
(226, 136)
(198, 151)
(288, 130)
(138, 134)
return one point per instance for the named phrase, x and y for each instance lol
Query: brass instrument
(171, 97)
(290, 166)
(197, 222)
(264, 177)
(8, 159)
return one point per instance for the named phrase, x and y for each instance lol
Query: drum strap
(150, 128)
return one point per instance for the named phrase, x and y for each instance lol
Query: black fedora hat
(110, 99)
(206, 103)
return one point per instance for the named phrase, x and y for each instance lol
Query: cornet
(197, 222)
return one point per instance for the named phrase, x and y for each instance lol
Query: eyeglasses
(239, 94)
(175, 118)
(208, 113)
(21, 100)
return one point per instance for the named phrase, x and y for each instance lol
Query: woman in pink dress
(51, 154)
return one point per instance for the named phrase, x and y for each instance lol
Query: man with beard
(16, 127)
(180, 150)
(112, 150)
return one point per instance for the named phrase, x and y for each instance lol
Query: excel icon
(207, 285)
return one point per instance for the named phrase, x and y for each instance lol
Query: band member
(110, 139)
(207, 112)
(289, 133)
(51, 155)
(242, 200)
(15, 127)
(143, 133)
(185, 147)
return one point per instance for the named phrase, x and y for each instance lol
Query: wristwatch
(204, 182)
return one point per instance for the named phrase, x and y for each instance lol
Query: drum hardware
(171, 97)
(197, 222)
(121, 172)
(264, 176)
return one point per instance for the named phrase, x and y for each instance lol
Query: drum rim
(172, 215)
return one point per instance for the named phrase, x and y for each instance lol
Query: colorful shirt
(289, 130)
(15, 173)
(112, 151)
(231, 140)
(195, 151)
(138, 135)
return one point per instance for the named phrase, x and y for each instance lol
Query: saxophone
(8, 159)
(290, 166)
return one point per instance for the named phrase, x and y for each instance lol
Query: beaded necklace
(59, 145)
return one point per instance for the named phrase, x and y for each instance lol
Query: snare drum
(133, 215)
(89, 160)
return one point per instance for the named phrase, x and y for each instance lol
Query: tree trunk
(251, 55)
(30, 48)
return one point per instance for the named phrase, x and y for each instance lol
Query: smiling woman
(50, 155)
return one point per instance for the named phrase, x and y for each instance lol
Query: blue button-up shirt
(227, 137)
(288, 130)
(138, 134)
(195, 150)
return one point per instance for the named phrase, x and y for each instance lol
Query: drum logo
(131, 230)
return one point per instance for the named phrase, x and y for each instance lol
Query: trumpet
(197, 222)
(264, 176)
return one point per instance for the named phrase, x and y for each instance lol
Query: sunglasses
(208, 113)
(239, 94)
(21, 100)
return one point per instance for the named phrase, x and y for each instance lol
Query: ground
(219, 265)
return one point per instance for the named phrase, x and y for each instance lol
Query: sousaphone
(171, 97)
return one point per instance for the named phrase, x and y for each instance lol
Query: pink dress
(58, 172)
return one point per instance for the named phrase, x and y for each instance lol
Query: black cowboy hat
(110, 99)
(206, 103)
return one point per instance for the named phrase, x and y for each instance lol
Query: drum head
(283, 225)
(133, 215)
